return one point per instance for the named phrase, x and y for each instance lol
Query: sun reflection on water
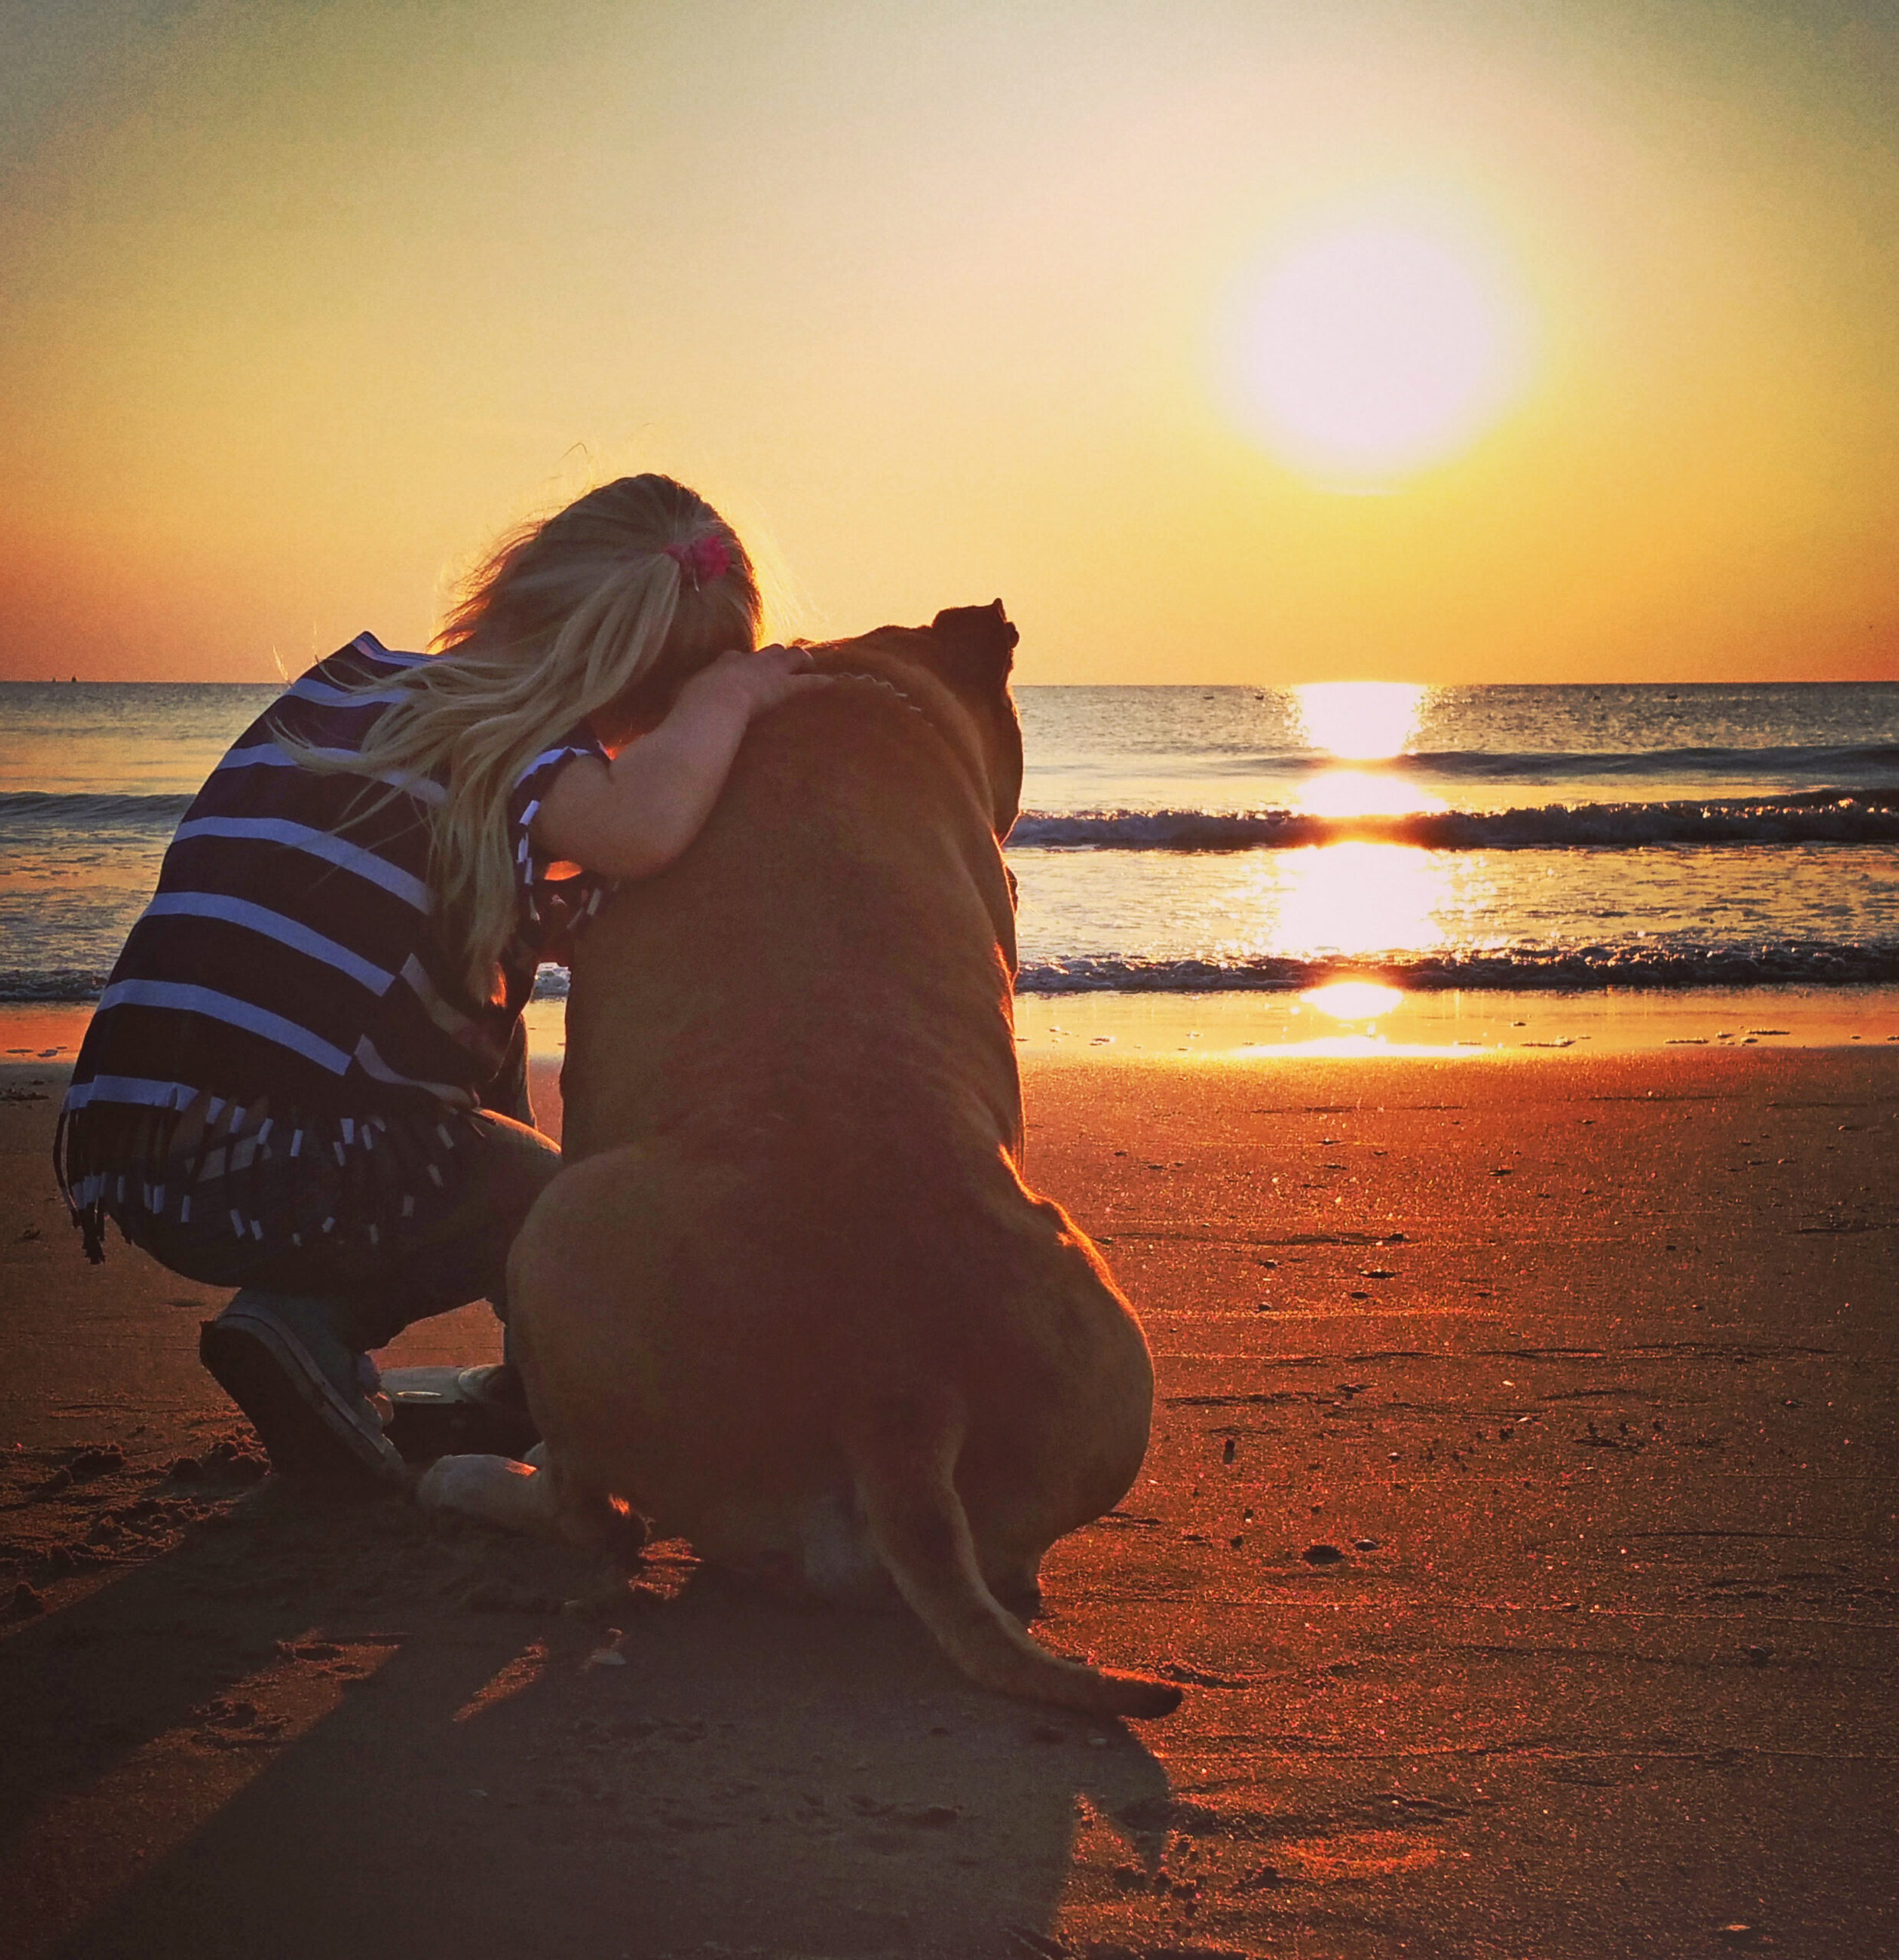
(1361, 898)
(1359, 720)
(1360, 792)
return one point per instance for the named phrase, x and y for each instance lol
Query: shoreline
(1256, 1027)
(1267, 1027)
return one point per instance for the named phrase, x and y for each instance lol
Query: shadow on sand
(310, 1728)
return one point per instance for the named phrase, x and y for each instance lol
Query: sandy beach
(1349, 550)
(1522, 1517)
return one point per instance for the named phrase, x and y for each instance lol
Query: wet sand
(1522, 1516)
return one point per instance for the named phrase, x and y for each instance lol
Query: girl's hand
(752, 682)
(634, 816)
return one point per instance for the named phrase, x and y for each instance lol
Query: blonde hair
(587, 608)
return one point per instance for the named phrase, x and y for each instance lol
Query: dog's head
(967, 651)
(973, 649)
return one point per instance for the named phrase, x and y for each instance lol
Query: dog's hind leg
(905, 1454)
(587, 1515)
(1020, 1590)
(841, 1562)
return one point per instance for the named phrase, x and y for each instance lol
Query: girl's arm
(633, 816)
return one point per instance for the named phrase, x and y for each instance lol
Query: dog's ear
(974, 647)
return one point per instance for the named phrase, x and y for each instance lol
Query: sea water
(1200, 838)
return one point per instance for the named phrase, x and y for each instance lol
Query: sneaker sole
(307, 1428)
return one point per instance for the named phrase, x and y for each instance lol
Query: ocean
(1203, 839)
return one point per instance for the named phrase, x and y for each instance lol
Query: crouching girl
(307, 1076)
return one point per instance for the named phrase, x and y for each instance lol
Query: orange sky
(301, 302)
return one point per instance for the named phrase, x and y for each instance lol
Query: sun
(1369, 350)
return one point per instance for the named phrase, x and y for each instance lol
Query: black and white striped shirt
(289, 952)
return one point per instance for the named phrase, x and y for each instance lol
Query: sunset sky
(1226, 342)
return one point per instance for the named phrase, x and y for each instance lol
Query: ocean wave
(1574, 969)
(1520, 969)
(80, 986)
(57, 809)
(1838, 762)
(1825, 817)
(1810, 761)
(53, 986)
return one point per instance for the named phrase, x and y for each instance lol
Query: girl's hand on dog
(633, 816)
(755, 682)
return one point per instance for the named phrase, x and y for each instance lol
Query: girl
(306, 1078)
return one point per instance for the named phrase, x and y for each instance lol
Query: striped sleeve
(553, 893)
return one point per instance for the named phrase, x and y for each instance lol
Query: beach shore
(1269, 1027)
(1522, 1518)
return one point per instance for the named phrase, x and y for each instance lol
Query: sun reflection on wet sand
(1363, 1001)
(1353, 1000)
(1104, 1028)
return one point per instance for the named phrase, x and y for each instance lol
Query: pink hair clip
(703, 560)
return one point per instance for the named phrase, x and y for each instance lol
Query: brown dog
(790, 1298)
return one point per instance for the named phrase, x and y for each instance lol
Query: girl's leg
(291, 1348)
(458, 1252)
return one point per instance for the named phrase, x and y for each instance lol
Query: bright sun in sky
(1367, 352)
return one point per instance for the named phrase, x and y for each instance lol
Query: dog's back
(791, 1297)
(841, 928)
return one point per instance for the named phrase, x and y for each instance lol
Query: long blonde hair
(588, 608)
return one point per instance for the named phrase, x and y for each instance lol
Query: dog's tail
(905, 1460)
